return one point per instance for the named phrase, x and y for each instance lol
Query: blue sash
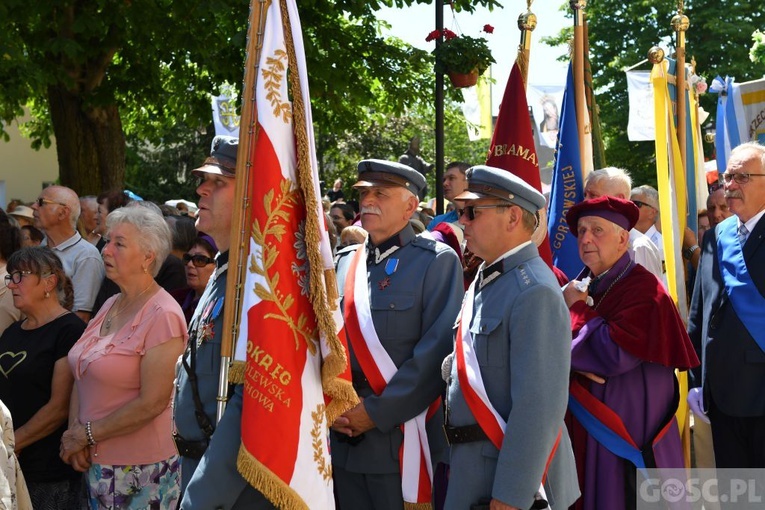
(607, 428)
(746, 299)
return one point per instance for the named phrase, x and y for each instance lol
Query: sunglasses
(469, 210)
(642, 204)
(197, 260)
(16, 276)
(741, 178)
(42, 201)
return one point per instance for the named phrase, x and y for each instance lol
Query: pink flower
(435, 34)
(701, 87)
(448, 34)
(488, 29)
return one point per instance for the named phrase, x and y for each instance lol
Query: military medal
(390, 268)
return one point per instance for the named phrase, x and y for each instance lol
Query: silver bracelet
(89, 434)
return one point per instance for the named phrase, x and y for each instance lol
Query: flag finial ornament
(527, 21)
(680, 22)
(655, 55)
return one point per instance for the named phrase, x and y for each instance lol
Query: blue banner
(567, 188)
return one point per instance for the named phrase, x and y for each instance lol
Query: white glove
(696, 403)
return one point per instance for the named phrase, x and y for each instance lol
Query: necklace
(40, 324)
(619, 277)
(108, 321)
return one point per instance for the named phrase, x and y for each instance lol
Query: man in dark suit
(727, 324)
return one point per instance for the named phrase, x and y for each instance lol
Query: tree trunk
(89, 143)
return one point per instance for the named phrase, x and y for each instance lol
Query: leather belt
(466, 434)
(191, 449)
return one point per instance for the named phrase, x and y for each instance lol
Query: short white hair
(617, 179)
(155, 236)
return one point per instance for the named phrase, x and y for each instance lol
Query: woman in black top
(35, 380)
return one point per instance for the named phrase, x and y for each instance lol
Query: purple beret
(616, 210)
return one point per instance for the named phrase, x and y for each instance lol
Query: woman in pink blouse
(120, 422)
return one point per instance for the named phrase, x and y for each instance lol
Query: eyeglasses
(741, 178)
(16, 276)
(642, 204)
(470, 209)
(42, 201)
(197, 260)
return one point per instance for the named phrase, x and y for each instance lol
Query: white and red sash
(473, 389)
(378, 368)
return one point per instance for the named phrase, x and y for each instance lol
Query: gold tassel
(236, 372)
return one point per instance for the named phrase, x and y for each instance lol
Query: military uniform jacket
(206, 329)
(521, 334)
(214, 482)
(415, 290)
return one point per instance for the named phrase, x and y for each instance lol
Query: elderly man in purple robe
(628, 339)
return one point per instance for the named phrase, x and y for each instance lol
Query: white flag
(640, 126)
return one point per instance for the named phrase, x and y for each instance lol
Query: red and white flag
(296, 375)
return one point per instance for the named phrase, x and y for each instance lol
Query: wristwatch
(688, 252)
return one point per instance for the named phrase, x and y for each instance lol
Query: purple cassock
(632, 337)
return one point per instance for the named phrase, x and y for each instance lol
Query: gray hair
(753, 146)
(617, 179)
(155, 234)
(650, 193)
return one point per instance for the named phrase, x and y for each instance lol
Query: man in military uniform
(210, 479)
(508, 377)
(401, 293)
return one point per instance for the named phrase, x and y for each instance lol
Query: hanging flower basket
(461, 80)
(461, 57)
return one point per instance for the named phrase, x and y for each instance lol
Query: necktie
(743, 234)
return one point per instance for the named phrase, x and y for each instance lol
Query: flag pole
(527, 22)
(680, 24)
(581, 106)
(248, 135)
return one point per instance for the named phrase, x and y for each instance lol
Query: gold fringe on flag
(417, 506)
(271, 486)
(342, 394)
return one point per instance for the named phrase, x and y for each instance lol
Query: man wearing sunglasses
(507, 382)
(209, 476)
(56, 211)
(726, 317)
(401, 293)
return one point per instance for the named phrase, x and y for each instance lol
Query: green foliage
(159, 61)
(620, 35)
(388, 136)
(462, 54)
(757, 52)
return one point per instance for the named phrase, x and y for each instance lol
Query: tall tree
(94, 72)
(621, 33)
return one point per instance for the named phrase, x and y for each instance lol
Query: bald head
(68, 197)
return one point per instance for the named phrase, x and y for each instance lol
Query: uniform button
(392, 305)
(483, 328)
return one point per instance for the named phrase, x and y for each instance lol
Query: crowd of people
(513, 386)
